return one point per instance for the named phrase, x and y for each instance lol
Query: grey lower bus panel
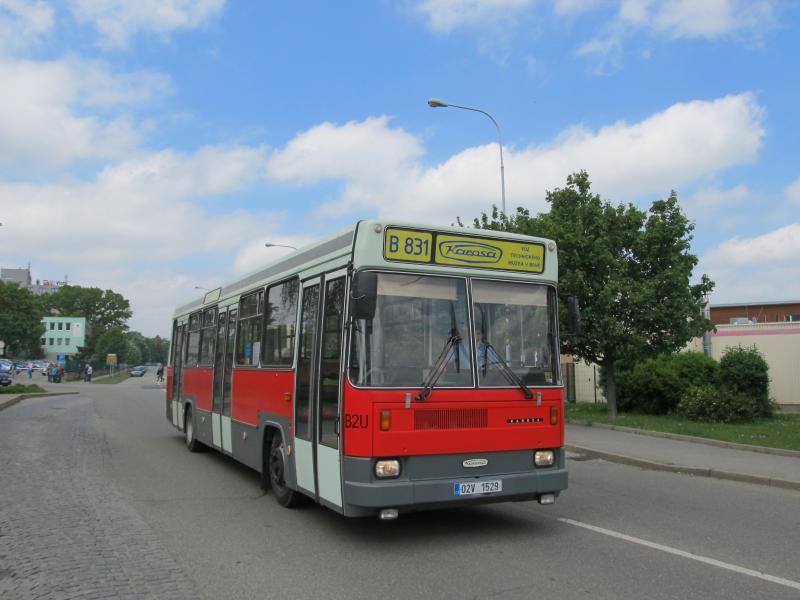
(428, 481)
(202, 427)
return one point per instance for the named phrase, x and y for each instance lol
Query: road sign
(111, 359)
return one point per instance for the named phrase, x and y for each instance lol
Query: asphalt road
(100, 498)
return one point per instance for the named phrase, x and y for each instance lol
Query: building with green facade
(63, 336)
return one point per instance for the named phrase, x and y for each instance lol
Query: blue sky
(154, 146)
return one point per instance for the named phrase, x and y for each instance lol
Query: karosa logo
(470, 252)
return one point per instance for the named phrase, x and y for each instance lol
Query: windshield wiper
(505, 370)
(440, 365)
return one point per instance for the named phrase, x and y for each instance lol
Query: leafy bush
(744, 371)
(656, 386)
(19, 388)
(718, 405)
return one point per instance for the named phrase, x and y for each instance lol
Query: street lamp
(436, 103)
(271, 245)
(197, 287)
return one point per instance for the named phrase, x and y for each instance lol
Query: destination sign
(410, 245)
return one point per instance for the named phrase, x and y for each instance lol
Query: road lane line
(703, 559)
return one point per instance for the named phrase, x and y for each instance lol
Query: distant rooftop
(754, 303)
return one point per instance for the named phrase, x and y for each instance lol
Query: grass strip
(110, 379)
(781, 431)
(21, 388)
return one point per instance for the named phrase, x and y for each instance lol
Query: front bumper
(429, 481)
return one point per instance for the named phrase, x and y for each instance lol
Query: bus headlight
(384, 469)
(544, 458)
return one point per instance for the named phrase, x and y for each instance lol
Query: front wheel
(276, 465)
(188, 429)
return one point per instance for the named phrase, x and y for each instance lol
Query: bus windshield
(416, 319)
(514, 330)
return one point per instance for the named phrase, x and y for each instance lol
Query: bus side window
(248, 336)
(193, 343)
(279, 323)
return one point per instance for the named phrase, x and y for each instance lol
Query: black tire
(188, 432)
(275, 464)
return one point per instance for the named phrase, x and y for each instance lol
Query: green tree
(111, 342)
(103, 310)
(158, 348)
(133, 356)
(630, 269)
(21, 325)
(139, 343)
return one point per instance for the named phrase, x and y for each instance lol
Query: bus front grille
(451, 418)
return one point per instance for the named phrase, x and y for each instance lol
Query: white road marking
(703, 559)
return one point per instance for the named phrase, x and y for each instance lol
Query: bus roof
(367, 241)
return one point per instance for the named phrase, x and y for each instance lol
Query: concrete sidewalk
(780, 469)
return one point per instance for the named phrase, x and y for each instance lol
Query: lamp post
(197, 287)
(436, 103)
(271, 245)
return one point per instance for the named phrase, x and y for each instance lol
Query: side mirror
(364, 295)
(574, 311)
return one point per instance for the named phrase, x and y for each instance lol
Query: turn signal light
(386, 420)
(553, 415)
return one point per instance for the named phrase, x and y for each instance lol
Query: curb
(690, 438)
(21, 397)
(697, 471)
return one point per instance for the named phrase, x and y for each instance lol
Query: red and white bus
(385, 369)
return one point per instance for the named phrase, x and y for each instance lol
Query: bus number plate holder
(473, 488)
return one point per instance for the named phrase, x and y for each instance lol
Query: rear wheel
(276, 465)
(188, 429)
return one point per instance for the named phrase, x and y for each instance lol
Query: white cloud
(686, 142)
(758, 268)
(741, 20)
(255, 255)
(781, 245)
(711, 18)
(445, 16)
(44, 121)
(137, 218)
(23, 23)
(118, 21)
(793, 191)
(573, 7)
(720, 209)
(356, 150)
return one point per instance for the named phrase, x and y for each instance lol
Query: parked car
(138, 371)
(5, 378)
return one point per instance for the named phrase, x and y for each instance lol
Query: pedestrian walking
(89, 373)
(160, 373)
(30, 370)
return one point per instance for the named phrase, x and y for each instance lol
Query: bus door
(328, 387)
(318, 388)
(303, 429)
(177, 374)
(223, 377)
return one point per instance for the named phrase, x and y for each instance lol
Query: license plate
(471, 488)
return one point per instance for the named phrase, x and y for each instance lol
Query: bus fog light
(544, 458)
(387, 468)
(388, 514)
(547, 499)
